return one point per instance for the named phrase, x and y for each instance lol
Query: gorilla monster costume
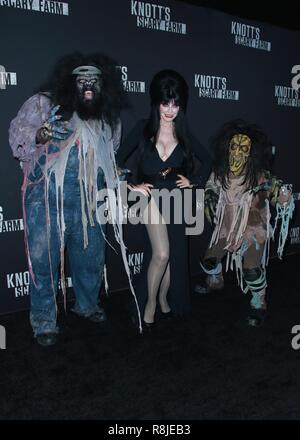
(65, 137)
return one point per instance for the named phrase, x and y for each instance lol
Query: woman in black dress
(162, 154)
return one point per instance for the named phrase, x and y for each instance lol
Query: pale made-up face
(168, 111)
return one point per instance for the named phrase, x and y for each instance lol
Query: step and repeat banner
(235, 68)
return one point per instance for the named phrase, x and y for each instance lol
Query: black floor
(211, 366)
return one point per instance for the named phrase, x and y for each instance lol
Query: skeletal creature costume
(65, 137)
(238, 196)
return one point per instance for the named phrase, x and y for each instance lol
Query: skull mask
(239, 152)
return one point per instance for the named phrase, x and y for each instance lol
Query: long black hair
(61, 85)
(260, 153)
(168, 85)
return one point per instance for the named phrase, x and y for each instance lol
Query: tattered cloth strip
(284, 212)
(215, 271)
(239, 222)
(270, 232)
(235, 259)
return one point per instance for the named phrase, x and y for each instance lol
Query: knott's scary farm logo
(44, 6)
(19, 282)
(157, 17)
(7, 78)
(246, 35)
(130, 85)
(10, 225)
(289, 96)
(135, 262)
(214, 87)
(286, 96)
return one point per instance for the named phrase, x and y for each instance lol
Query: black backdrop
(247, 63)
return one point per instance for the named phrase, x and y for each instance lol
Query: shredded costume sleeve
(23, 128)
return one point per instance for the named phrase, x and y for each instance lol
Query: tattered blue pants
(86, 265)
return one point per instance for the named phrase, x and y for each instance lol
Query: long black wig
(168, 85)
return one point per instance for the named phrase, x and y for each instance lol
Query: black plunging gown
(145, 163)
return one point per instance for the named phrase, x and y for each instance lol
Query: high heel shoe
(148, 328)
(167, 315)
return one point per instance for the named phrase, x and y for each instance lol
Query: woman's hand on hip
(183, 182)
(144, 188)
